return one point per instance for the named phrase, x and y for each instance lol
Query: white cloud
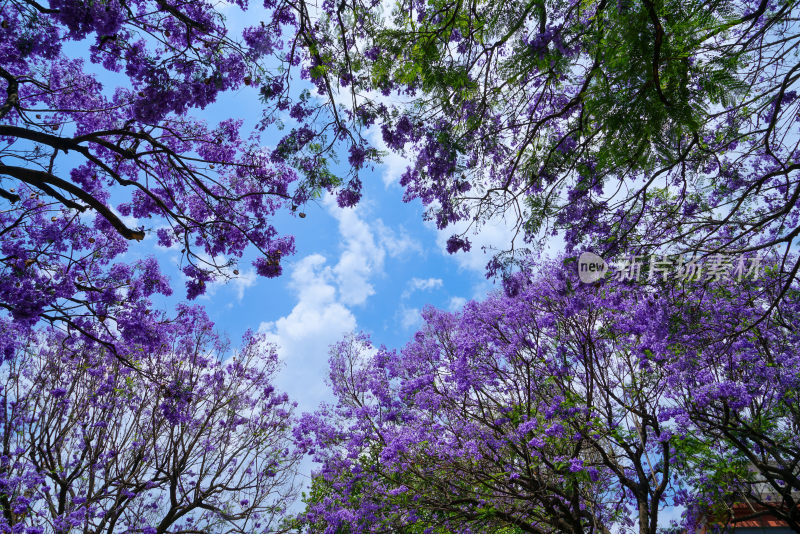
(394, 164)
(361, 258)
(366, 241)
(409, 317)
(425, 284)
(456, 303)
(396, 242)
(421, 284)
(243, 282)
(495, 235)
(325, 295)
(317, 321)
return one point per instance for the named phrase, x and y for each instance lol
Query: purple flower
(455, 243)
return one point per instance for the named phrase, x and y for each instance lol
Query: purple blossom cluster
(604, 123)
(90, 164)
(172, 439)
(563, 407)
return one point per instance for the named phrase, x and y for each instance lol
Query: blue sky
(371, 268)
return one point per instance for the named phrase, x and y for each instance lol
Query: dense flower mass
(555, 406)
(101, 146)
(564, 408)
(666, 125)
(175, 441)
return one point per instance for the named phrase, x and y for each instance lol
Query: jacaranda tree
(183, 442)
(118, 417)
(736, 390)
(100, 145)
(629, 126)
(623, 125)
(561, 407)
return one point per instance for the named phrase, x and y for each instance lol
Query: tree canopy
(563, 408)
(179, 441)
(628, 127)
(650, 125)
(99, 127)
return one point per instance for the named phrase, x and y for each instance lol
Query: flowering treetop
(89, 164)
(665, 125)
(561, 407)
